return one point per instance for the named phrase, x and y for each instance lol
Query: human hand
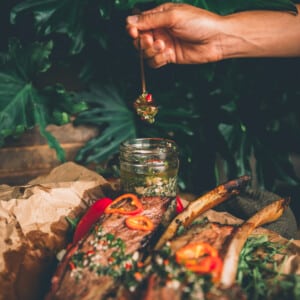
(177, 33)
(184, 34)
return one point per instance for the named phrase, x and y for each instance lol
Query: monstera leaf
(109, 112)
(62, 16)
(242, 144)
(22, 104)
(79, 20)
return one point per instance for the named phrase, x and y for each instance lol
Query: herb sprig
(260, 275)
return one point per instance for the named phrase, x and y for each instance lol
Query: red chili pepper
(139, 223)
(201, 258)
(111, 259)
(72, 265)
(208, 264)
(90, 252)
(90, 218)
(148, 98)
(126, 204)
(179, 205)
(128, 266)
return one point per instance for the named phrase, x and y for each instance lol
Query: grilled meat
(97, 264)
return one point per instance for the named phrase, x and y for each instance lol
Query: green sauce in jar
(149, 167)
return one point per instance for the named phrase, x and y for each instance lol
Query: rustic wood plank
(30, 156)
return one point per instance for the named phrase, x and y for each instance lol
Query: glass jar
(149, 167)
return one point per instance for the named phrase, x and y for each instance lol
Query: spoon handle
(143, 81)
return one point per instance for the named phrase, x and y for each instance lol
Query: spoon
(143, 105)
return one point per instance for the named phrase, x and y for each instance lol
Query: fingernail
(132, 19)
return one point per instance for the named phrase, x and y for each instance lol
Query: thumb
(149, 21)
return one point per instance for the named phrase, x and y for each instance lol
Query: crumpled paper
(33, 227)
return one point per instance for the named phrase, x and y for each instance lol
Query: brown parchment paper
(33, 227)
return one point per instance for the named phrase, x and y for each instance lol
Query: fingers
(157, 47)
(148, 21)
(146, 30)
(132, 31)
(162, 58)
(145, 40)
(151, 19)
(132, 22)
(150, 43)
(157, 52)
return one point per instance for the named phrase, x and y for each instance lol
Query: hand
(184, 34)
(177, 33)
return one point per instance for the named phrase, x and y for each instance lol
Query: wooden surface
(30, 156)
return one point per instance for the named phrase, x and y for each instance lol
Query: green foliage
(50, 16)
(260, 276)
(109, 112)
(260, 119)
(232, 109)
(22, 104)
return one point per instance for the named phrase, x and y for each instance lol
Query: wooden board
(30, 156)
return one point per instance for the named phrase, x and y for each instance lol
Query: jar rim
(149, 144)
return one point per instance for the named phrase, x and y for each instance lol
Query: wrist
(238, 40)
(260, 34)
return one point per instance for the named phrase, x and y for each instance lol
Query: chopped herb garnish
(180, 230)
(258, 273)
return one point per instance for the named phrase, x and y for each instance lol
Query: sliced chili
(139, 223)
(179, 205)
(89, 218)
(202, 258)
(126, 204)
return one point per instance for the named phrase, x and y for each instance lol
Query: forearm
(261, 34)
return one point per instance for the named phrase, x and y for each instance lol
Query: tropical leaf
(57, 16)
(242, 145)
(125, 4)
(274, 167)
(17, 93)
(22, 105)
(109, 112)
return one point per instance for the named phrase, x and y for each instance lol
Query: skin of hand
(176, 33)
(184, 34)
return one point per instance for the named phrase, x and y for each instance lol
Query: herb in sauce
(145, 108)
(149, 185)
(149, 167)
